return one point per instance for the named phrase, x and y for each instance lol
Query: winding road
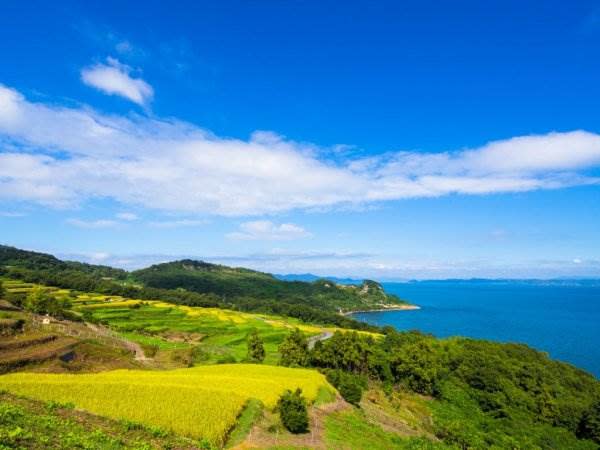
(319, 337)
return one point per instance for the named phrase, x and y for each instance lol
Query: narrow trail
(134, 347)
(319, 337)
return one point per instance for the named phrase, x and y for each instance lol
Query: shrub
(150, 350)
(350, 386)
(293, 412)
(16, 298)
(40, 301)
(256, 348)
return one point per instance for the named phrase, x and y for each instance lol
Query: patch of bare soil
(182, 337)
(269, 431)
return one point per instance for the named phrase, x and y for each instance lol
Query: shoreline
(384, 309)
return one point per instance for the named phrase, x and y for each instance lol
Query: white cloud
(178, 223)
(128, 217)
(124, 47)
(12, 214)
(75, 154)
(115, 78)
(359, 266)
(93, 224)
(266, 230)
(99, 257)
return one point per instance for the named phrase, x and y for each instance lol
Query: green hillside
(229, 282)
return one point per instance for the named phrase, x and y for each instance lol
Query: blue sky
(382, 139)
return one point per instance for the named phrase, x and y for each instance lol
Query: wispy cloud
(265, 230)
(114, 78)
(359, 266)
(12, 214)
(178, 223)
(129, 217)
(93, 224)
(174, 166)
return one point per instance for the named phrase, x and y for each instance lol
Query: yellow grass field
(200, 402)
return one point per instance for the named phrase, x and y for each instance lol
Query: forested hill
(11, 257)
(198, 283)
(227, 282)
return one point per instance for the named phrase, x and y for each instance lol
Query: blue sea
(560, 318)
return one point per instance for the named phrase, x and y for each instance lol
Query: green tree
(40, 301)
(256, 348)
(350, 386)
(294, 350)
(2, 290)
(293, 412)
(589, 427)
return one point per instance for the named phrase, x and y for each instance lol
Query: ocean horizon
(560, 319)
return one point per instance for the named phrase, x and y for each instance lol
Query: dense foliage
(348, 384)
(40, 301)
(228, 282)
(293, 412)
(489, 393)
(589, 426)
(294, 350)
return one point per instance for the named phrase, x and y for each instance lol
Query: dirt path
(320, 337)
(134, 347)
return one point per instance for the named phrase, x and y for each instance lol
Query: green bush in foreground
(293, 412)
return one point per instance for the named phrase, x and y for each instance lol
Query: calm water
(561, 320)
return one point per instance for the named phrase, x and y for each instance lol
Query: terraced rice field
(220, 334)
(201, 402)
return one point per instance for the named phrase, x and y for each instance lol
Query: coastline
(383, 309)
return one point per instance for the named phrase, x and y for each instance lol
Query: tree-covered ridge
(23, 259)
(308, 305)
(231, 282)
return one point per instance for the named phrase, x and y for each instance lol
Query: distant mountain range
(309, 278)
(575, 281)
